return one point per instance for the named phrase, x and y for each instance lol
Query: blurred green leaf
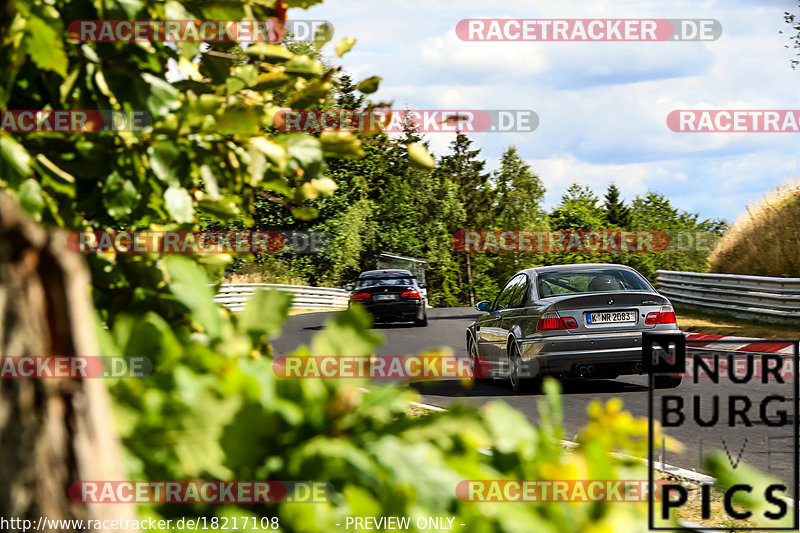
(45, 46)
(179, 204)
(370, 85)
(419, 157)
(30, 196)
(348, 334)
(265, 312)
(344, 46)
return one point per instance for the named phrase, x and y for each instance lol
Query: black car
(391, 296)
(583, 321)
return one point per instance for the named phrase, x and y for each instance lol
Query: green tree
(466, 171)
(654, 212)
(518, 194)
(617, 213)
(578, 210)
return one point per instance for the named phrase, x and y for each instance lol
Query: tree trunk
(53, 432)
(470, 287)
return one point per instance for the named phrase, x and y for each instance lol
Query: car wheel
(421, 323)
(515, 379)
(667, 382)
(480, 368)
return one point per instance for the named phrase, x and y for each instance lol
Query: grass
(765, 240)
(698, 322)
(261, 273)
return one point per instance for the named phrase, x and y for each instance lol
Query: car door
(488, 328)
(510, 316)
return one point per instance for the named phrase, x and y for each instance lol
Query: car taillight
(665, 316)
(362, 296)
(551, 321)
(411, 294)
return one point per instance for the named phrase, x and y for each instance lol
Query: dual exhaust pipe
(589, 370)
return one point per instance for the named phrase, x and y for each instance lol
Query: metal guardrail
(234, 295)
(742, 296)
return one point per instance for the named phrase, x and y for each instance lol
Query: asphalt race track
(446, 328)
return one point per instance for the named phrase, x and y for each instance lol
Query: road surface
(446, 328)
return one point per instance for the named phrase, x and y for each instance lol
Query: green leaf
(347, 334)
(270, 52)
(304, 66)
(189, 284)
(305, 213)
(45, 46)
(163, 96)
(14, 155)
(323, 35)
(30, 196)
(306, 149)
(120, 196)
(239, 119)
(247, 73)
(370, 85)
(179, 204)
(419, 157)
(265, 312)
(276, 153)
(163, 156)
(510, 429)
(344, 46)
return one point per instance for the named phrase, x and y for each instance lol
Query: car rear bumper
(396, 310)
(610, 354)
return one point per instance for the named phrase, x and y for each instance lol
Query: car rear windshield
(370, 282)
(588, 281)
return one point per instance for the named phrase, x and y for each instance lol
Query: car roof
(578, 266)
(391, 273)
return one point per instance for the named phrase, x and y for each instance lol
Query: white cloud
(603, 106)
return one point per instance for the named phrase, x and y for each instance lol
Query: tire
(667, 382)
(475, 362)
(515, 379)
(421, 323)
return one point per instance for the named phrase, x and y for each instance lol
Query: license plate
(617, 317)
(384, 297)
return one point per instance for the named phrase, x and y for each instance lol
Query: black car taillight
(362, 296)
(411, 294)
(551, 322)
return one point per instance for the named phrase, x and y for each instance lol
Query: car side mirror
(485, 306)
(423, 285)
(349, 287)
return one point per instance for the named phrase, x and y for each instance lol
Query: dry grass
(765, 241)
(697, 322)
(255, 273)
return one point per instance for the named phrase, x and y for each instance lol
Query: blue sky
(602, 105)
